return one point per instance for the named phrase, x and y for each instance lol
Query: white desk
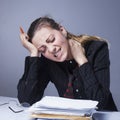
(106, 116)
(7, 114)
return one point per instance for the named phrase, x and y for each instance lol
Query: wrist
(82, 61)
(34, 54)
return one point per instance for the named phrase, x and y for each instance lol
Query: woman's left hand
(78, 52)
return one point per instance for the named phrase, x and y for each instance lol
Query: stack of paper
(63, 106)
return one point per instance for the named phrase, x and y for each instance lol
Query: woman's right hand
(29, 46)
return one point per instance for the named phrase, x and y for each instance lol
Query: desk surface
(7, 114)
(106, 116)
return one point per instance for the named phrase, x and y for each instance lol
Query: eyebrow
(49, 37)
(46, 40)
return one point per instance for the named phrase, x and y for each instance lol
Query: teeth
(55, 55)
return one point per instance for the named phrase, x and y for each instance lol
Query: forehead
(42, 34)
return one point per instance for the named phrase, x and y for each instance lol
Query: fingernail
(21, 30)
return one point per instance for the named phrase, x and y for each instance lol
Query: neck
(70, 57)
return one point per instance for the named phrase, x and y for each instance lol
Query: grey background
(94, 17)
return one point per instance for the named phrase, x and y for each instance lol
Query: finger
(21, 30)
(77, 42)
(70, 42)
(26, 37)
(23, 34)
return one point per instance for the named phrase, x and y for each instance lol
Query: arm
(34, 80)
(95, 75)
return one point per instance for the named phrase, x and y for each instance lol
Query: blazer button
(76, 79)
(77, 90)
(80, 96)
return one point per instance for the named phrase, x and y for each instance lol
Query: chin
(62, 58)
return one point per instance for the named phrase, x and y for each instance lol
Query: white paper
(64, 106)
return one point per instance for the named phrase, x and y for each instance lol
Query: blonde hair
(84, 38)
(47, 21)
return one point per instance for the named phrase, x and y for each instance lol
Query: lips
(57, 53)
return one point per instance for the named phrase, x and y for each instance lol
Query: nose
(52, 49)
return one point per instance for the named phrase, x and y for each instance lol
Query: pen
(14, 110)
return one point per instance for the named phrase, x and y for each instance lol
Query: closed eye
(53, 39)
(50, 40)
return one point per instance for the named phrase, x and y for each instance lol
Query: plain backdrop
(94, 17)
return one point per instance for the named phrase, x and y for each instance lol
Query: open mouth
(57, 53)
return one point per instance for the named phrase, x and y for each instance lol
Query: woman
(77, 65)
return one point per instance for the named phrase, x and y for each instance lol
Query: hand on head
(78, 52)
(29, 46)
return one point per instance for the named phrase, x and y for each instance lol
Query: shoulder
(97, 52)
(95, 45)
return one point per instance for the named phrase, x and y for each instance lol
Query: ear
(63, 31)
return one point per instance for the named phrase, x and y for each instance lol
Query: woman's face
(52, 43)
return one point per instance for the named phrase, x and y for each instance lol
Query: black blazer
(92, 79)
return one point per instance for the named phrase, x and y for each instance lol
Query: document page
(66, 106)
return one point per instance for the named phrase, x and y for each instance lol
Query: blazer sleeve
(34, 80)
(95, 74)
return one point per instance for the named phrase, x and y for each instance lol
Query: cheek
(60, 40)
(64, 45)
